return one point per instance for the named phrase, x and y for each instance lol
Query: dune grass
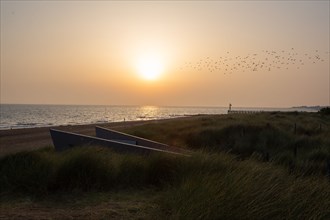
(262, 166)
(84, 169)
(203, 186)
(220, 187)
(298, 141)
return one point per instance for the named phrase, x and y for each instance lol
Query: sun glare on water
(150, 68)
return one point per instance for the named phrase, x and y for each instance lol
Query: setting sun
(150, 68)
(167, 53)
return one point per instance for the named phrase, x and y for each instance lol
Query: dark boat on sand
(109, 134)
(116, 141)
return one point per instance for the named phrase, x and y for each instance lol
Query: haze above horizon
(253, 53)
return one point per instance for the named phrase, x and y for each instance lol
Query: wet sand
(16, 140)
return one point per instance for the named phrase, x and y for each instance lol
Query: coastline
(31, 116)
(27, 139)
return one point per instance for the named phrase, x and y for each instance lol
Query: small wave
(143, 116)
(20, 125)
(146, 118)
(5, 127)
(101, 121)
(26, 124)
(176, 115)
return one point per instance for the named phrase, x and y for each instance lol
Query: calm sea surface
(28, 116)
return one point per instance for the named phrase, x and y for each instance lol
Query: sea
(17, 116)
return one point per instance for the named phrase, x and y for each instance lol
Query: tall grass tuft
(84, 169)
(241, 139)
(131, 172)
(244, 190)
(26, 172)
(162, 170)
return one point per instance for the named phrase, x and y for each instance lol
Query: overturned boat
(110, 134)
(116, 141)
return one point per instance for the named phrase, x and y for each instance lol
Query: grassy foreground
(276, 169)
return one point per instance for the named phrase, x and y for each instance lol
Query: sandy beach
(16, 140)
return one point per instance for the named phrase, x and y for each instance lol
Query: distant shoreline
(28, 116)
(38, 116)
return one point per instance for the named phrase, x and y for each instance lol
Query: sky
(166, 53)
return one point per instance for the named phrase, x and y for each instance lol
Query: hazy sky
(208, 53)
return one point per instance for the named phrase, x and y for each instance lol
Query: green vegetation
(220, 187)
(262, 166)
(298, 141)
(84, 169)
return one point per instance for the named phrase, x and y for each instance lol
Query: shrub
(325, 111)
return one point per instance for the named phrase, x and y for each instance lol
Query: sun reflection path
(148, 112)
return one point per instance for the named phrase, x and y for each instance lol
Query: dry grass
(91, 205)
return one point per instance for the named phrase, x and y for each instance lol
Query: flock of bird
(267, 60)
